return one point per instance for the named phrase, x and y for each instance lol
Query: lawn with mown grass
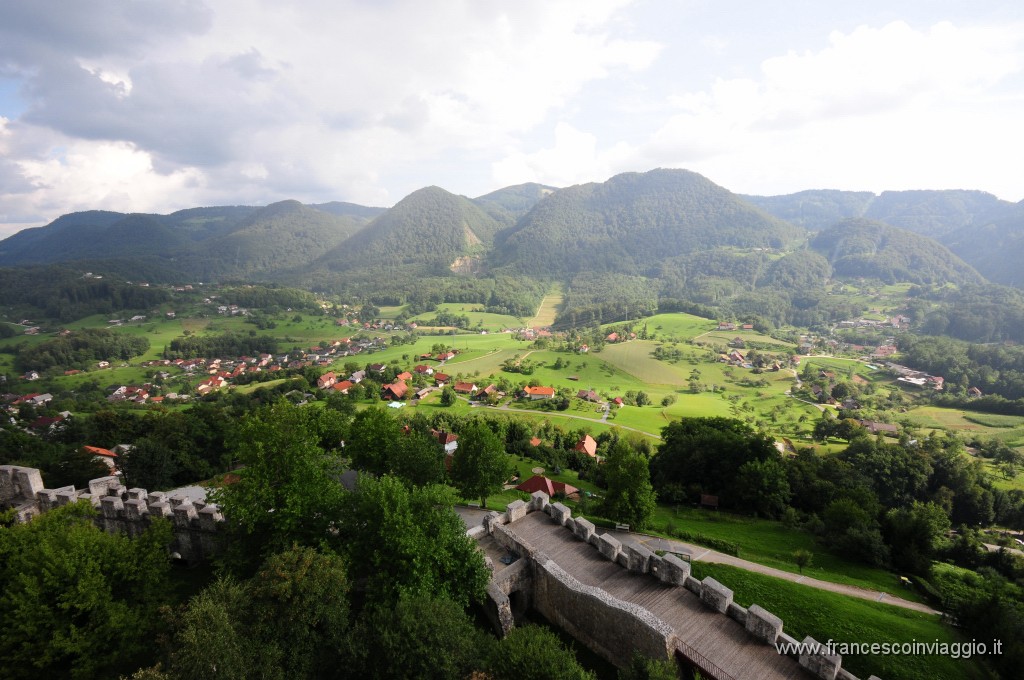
(830, 616)
(772, 544)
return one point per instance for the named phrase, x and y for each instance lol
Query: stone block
(737, 613)
(595, 540)
(156, 497)
(135, 509)
(515, 510)
(104, 485)
(161, 509)
(570, 524)
(714, 595)
(638, 558)
(47, 499)
(111, 506)
(27, 482)
(138, 494)
(763, 625)
(560, 513)
(209, 518)
(609, 546)
(583, 529)
(820, 664)
(622, 559)
(183, 515)
(673, 570)
(539, 501)
(65, 497)
(491, 519)
(693, 585)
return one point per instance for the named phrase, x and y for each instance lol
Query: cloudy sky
(158, 105)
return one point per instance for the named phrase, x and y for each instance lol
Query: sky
(161, 105)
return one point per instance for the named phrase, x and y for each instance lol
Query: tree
(534, 653)
(480, 465)
(289, 620)
(705, 454)
(802, 558)
(288, 490)
(375, 435)
(762, 486)
(76, 601)
(448, 396)
(420, 636)
(630, 497)
(645, 668)
(405, 540)
(914, 535)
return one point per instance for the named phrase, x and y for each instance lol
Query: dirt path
(700, 554)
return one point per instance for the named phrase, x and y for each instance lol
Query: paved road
(701, 554)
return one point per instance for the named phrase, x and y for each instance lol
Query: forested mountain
(686, 236)
(815, 209)
(633, 222)
(280, 236)
(199, 243)
(429, 232)
(509, 204)
(996, 248)
(978, 227)
(859, 247)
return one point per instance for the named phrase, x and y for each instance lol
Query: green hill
(429, 232)
(815, 209)
(507, 205)
(859, 247)
(633, 222)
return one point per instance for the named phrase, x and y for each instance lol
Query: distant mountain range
(984, 231)
(658, 224)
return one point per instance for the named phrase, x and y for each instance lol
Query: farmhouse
(535, 393)
(548, 486)
(587, 445)
(394, 391)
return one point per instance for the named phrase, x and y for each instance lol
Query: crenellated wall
(129, 511)
(609, 626)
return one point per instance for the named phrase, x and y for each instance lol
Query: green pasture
(772, 544)
(677, 326)
(548, 309)
(831, 616)
(478, 319)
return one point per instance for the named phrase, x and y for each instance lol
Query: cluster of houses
(899, 321)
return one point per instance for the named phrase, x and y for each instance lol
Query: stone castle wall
(614, 628)
(129, 511)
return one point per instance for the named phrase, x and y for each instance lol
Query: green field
(548, 309)
(478, 319)
(831, 616)
(678, 326)
(772, 544)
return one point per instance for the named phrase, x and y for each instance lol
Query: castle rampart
(129, 511)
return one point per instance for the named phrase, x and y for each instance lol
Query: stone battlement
(613, 627)
(124, 510)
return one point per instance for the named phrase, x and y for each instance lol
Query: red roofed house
(587, 445)
(106, 456)
(326, 380)
(449, 441)
(548, 486)
(465, 388)
(404, 376)
(441, 379)
(424, 370)
(612, 337)
(395, 390)
(535, 393)
(342, 386)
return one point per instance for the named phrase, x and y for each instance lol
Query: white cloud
(319, 100)
(879, 108)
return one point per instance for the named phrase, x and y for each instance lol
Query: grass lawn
(677, 326)
(548, 309)
(831, 616)
(478, 319)
(772, 544)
